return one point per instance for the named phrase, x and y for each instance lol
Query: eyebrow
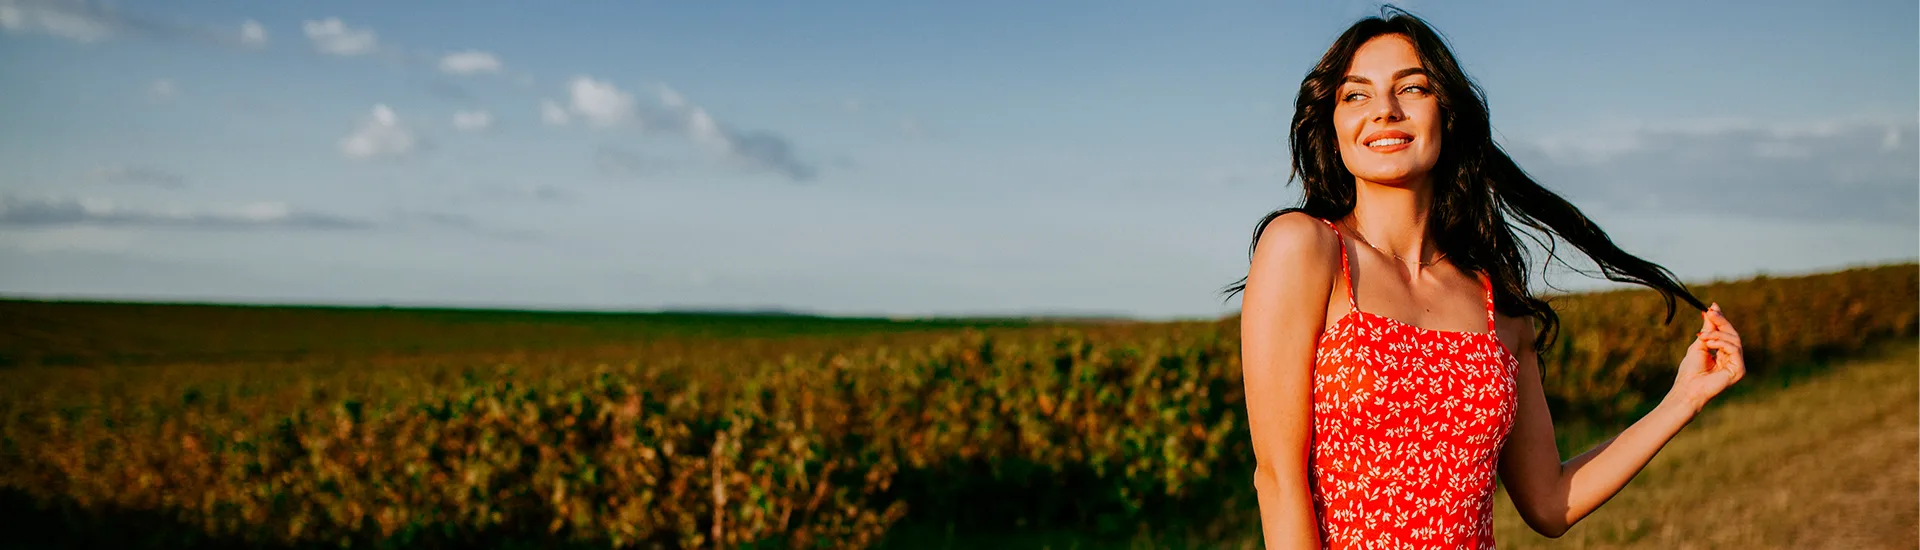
(1397, 75)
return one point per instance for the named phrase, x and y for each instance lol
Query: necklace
(1363, 240)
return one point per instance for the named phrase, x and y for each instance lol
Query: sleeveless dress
(1408, 424)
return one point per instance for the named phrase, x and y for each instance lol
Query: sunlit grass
(1059, 436)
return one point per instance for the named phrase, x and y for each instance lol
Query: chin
(1393, 177)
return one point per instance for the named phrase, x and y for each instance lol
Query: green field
(1828, 460)
(36, 332)
(183, 425)
(1825, 458)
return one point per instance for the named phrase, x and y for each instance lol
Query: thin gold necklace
(1363, 240)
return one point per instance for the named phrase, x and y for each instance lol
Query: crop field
(204, 426)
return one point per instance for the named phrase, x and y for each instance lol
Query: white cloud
(704, 129)
(1838, 169)
(252, 33)
(163, 88)
(333, 36)
(753, 149)
(88, 21)
(67, 20)
(472, 120)
(76, 212)
(1606, 140)
(600, 103)
(379, 138)
(603, 104)
(470, 62)
(552, 113)
(672, 99)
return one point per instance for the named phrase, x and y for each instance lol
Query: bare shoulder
(1294, 263)
(1292, 242)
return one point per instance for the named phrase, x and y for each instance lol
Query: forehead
(1382, 56)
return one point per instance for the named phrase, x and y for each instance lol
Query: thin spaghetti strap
(1344, 274)
(1488, 283)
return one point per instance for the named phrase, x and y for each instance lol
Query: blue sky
(869, 158)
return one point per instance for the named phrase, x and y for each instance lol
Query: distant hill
(108, 332)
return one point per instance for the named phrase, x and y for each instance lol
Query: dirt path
(1830, 462)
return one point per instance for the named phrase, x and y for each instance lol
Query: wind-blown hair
(1475, 184)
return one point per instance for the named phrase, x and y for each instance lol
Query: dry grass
(1828, 462)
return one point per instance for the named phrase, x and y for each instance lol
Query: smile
(1388, 141)
(1389, 145)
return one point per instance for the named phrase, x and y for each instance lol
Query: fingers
(1728, 350)
(1717, 320)
(1718, 336)
(1721, 341)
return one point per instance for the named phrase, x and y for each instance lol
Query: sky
(874, 158)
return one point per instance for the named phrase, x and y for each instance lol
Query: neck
(1393, 218)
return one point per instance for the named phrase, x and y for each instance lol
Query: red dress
(1408, 424)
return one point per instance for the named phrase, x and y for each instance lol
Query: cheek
(1435, 140)
(1346, 129)
(1342, 126)
(1433, 124)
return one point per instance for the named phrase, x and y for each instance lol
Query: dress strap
(1487, 281)
(1344, 274)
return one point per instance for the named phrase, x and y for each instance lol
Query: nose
(1388, 110)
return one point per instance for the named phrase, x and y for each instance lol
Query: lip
(1387, 134)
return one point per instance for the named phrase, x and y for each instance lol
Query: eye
(1422, 90)
(1349, 97)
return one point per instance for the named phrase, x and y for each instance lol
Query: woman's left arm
(1551, 495)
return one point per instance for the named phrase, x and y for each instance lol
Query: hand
(1713, 362)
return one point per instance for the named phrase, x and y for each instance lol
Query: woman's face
(1386, 115)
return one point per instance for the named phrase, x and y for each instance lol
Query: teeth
(1386, 142)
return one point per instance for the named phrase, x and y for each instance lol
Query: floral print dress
(1408, 424)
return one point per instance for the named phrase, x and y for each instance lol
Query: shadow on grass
(1074, 510)
(28, 522)
(34, 523)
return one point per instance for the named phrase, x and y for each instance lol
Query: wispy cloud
(252, 33)
(599, 103)
(1831, 170)
(603, 104)
(472, 120)
(163, 88)
(752, 149)
(119, 174)
(87, 21)
(470, 62)
(79, 214)
(28, 212)
(74, 21)
(381, 136)
(553, 114)
(333, 36)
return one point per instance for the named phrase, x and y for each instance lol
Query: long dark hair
(1475, 184)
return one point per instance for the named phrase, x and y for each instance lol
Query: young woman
(1389, 339)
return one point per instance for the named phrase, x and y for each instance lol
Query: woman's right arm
(1282, 311)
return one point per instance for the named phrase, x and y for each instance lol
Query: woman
(1389, 341)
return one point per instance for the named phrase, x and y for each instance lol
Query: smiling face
(1386, 115)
